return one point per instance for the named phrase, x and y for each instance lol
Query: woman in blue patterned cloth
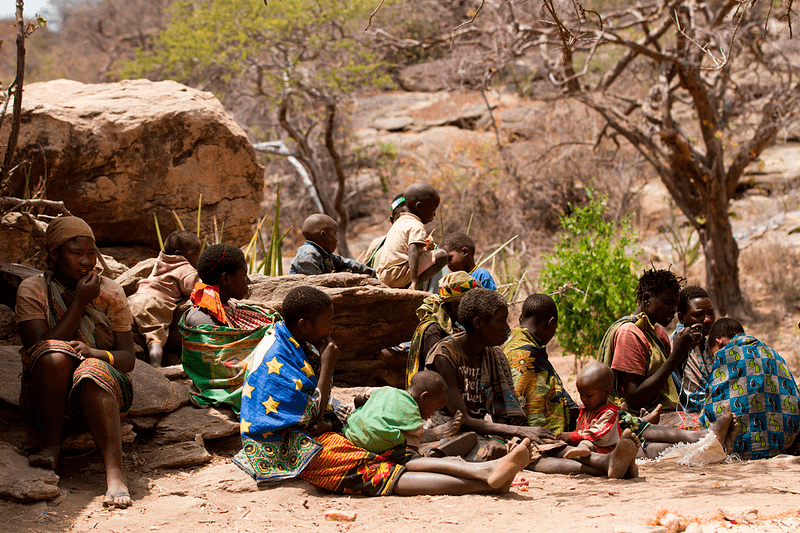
(756, 382)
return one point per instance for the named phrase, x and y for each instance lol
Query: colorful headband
(458, 290)
(398, 202)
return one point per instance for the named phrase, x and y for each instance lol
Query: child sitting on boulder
(405, 259)
(316, 255)
(372, 256)
(460, 250)
(600, 422)
(173, 277)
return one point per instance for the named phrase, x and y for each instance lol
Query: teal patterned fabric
(759, 387)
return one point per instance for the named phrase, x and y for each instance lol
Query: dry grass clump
(775, 267)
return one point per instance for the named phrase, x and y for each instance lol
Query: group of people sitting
(482, 400)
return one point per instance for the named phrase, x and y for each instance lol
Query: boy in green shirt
(391, 417)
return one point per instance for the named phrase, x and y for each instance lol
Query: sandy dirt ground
(221, 498)
(759, 496)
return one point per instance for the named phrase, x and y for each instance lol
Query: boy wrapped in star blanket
(761, 391)
(280, 402)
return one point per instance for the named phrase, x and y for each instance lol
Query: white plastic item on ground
(673, 523)
(707, 450)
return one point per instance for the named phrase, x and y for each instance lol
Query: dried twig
(16, 204)
(369, 23)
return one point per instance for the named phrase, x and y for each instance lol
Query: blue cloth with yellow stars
(279, 398)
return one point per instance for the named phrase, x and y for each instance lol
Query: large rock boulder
(188, 422)
(10, 374)
(118, 153)
(153, 393)
(368, 317)
(23, 240)
(21, 482)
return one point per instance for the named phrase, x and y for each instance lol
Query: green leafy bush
(590, 276)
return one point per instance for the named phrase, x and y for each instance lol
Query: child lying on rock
(173, 277)
(316, 255)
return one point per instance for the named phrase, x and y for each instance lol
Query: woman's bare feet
(46, 458)
(448, 429)
(117, 494)
(619, 460)
(721, 427)
(504, 469)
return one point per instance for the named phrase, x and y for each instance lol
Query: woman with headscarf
(438, 318)
(77, 350)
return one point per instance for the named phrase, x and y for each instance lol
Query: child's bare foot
(504, 469)
(653, 416)
(721, 427)
(156, 354)
(46, 458)
(359, 400)
(448, 429)
(619, 460)
(581, 450)
(459, 445)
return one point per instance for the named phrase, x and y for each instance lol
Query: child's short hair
(479, 303)
(457, 241)
(419, 192)
(427, 380)
(539, 307)
(216, 259)
(598, 374)
(724, 327)
(304, 302)
(689, 293)
(657, 281)
(179, 242)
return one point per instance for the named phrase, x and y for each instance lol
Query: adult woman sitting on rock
(78, 346)
(218, 334)
(638, 349)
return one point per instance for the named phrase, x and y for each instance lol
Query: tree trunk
(17, 109)
(338, 202)
(722, 257)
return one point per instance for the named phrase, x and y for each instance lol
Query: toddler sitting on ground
(405, 260)
(316, 255)
(460, 250)
(601, 423)
(173, 277)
